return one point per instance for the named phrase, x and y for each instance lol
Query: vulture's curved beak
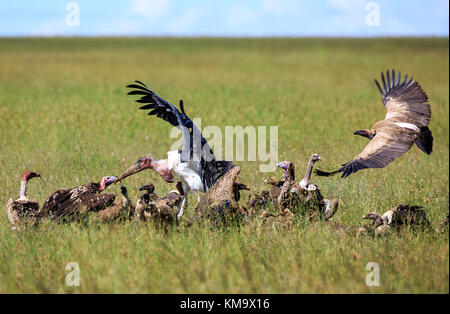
(147, 187)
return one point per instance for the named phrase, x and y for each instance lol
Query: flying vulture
(68, 204)
(23, 210)
(195, 165)
(406, 122)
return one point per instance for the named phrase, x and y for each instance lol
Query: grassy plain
(64, 112)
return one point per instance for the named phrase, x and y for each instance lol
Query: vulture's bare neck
(125, 200)
(23, 190)
(308, 173)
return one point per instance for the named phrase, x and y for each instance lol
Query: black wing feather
(211, 170)
(409, 90)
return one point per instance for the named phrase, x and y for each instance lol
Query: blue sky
(226, 18)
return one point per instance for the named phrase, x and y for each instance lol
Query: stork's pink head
(106, 181)
(143, 163)
(27, 175)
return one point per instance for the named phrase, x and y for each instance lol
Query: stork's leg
(198, 195)
(184, 203)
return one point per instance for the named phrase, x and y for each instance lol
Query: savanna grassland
(64, 112)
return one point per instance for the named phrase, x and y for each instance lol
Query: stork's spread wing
(381, 150)
(212, 169)
(404, 99)
(69, 203)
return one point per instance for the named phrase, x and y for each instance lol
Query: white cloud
(151, 9)
(280, 6)
(52, 27)
(121, 27)
(241, 15)
(346, 5)
(182, 24)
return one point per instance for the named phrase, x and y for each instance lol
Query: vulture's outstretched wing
(381, 150)
(69, 203)
(404, 100)
(212, 169)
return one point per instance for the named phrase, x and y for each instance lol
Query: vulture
(123, 210)
(23, 210)
(149, 189)
(304, 194)
(406, 122)
(284, 219)
(275, 188)
(327, 207)
(397, 217)
(164, 210)
(195, 165)
(221, 201)
(69, 204)
(304, 183)
(265, 197)
(289, 195)
(142, 204)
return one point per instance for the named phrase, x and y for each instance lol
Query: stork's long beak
(135, 168)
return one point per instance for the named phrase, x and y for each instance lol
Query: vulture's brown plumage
(406, 122)
(123, 210)
(69, 204)
(221, 200)
(398, 216)
(23, 210)
(164, 210)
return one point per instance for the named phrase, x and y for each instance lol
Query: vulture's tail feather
(321, 173)
(425, 140)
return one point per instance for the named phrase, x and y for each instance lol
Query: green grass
(64, 112)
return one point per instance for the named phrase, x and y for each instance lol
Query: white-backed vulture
(164, 210)
(195, 165)
(398, 216)
(304, 183)
(406, 122)
(124, 210)
(23, 210)
(142, 205)
(219, 203)
(69, 204)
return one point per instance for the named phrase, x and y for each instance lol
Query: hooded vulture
(23, 210)
(195, 165)
(406, 122)
(68, 204)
